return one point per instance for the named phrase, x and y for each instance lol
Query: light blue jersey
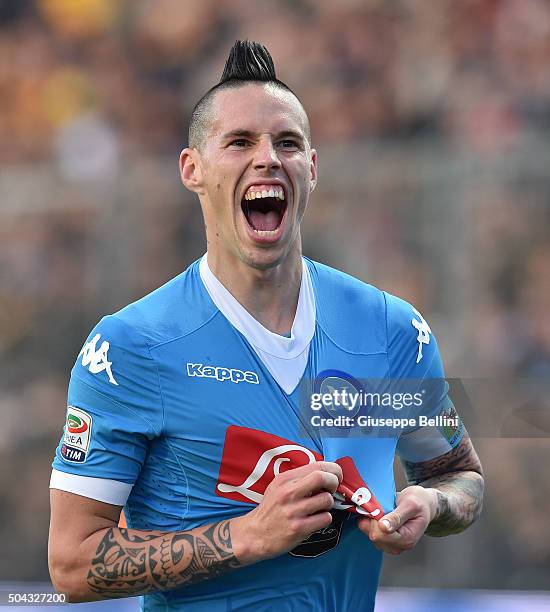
(172, 408)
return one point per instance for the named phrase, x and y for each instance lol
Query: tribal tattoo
(458, 478)
(129, 562)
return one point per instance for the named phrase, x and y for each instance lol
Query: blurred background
(432, 123)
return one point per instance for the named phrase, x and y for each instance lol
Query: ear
(313, 170)
(190, 170)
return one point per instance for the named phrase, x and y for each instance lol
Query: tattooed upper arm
(458, 479)
(462, 458)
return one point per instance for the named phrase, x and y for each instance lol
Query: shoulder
(365, 317)
(403, 319)
(412, 346)
(349, 309)
(174, 310)
(119, 347)
(349, 290)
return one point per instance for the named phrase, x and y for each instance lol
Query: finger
(394, 548)
(389, 524)
(371, 528)
(314, 483)
(314, 504)
(323, 466)
(384, 543)
(390, 544)
(388, 550)
(364, 525)
(377, 534)
(313, 523)
(392, 521)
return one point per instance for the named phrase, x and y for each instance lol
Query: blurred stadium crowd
(432, 121)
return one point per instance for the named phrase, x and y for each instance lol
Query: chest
(224, 414)
(209, 383)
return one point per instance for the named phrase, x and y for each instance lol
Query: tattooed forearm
(460, 498)
(129, 562)
(458, 478)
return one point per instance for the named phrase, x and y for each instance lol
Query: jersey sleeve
(114, 411)
(416, 367)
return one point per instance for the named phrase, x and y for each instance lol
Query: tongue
(264, 222)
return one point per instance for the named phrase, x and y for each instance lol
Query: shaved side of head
(248, 63)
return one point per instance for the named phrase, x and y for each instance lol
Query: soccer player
(185, 407)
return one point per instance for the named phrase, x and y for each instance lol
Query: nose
(265, 156)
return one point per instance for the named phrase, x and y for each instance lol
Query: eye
(239, 142)
(291, 144)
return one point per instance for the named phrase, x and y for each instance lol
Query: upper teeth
(260, 191)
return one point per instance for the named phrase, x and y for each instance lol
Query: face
(253, 175)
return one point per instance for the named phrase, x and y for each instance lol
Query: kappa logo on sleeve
(424, 332)
(95, 359)
(78, 430)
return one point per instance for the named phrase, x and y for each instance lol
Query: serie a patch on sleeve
(78, 431)
(451, 426)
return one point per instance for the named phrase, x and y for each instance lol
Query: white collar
(260, 337)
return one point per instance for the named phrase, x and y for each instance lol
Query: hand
(401, 529)
(295, 504)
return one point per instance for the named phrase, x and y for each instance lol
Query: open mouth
(264, 208)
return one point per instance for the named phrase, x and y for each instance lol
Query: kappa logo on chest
(222, 374)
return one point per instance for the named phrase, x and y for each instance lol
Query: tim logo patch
(76, 440)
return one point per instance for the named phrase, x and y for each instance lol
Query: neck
(270, 296)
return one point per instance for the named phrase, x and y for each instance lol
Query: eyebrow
(251, 134)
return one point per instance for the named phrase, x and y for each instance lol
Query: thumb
(391, 522)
